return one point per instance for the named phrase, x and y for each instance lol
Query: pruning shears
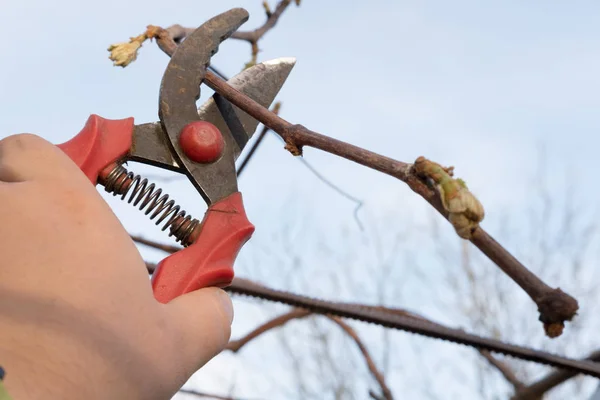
(202, 143)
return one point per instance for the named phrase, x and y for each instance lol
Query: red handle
(209, 260)
(225, 228)
(100, 143)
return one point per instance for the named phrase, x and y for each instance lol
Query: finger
(27, 157)
(203, 320)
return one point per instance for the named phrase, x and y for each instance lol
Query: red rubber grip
(225, 228)
(209, 260)
(101, 142)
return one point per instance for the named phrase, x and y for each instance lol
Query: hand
(78, 319)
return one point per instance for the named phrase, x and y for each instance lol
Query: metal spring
(120, 181)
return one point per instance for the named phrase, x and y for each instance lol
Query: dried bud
(124, 54)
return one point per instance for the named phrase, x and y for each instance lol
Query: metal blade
(150, 147)
(180, 89)
(260, 82)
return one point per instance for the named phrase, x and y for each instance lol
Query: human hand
(78, 319)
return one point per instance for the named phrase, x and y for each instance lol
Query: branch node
(153, 31)
(289, 135)
(465, 212)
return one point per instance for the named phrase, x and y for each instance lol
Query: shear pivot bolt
(201, 141)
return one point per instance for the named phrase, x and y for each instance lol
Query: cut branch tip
(555, 308)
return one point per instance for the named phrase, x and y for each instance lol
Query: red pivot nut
(202, 142)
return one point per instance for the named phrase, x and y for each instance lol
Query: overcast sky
(480, 87)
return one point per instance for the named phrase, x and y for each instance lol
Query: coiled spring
(119, 181)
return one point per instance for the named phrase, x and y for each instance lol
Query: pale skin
(78, 319)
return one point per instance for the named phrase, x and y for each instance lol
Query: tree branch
(279, 321)
(537, 389)
(272, 18)
(236, 345)
(178, 32)
(504, 369)
(386, 392)
(523, 392)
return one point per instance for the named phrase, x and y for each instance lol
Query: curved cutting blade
(179, 91)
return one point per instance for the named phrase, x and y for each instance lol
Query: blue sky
(478, 86)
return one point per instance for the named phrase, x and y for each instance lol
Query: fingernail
(226, 303)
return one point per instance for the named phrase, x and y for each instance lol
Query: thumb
(203, 322)
(28, 157)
